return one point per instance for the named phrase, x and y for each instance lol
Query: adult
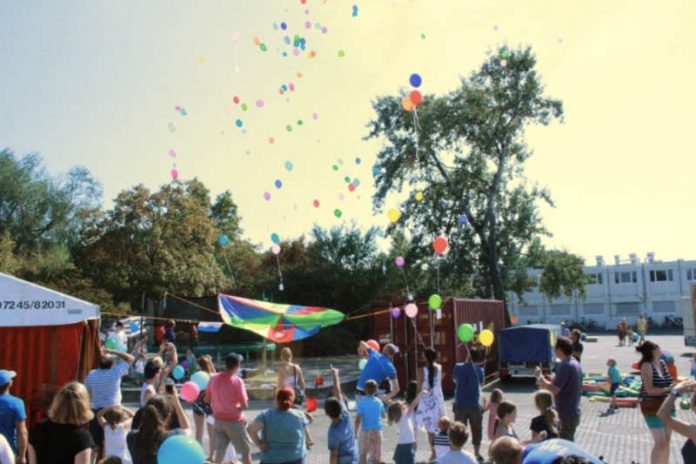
(153, 376)
(283, 430)
(575, 337)
(566, 387)
(156, 426)
(193, 335)
(118, 334)
(564, 329)
(379, 367)
(140, 347)
(688, 451)
(203, 413)
(63, 438)
(621, 330)
(431, 406)
(467, 398)
(104, 385)
(341, 441)
(228, 398)
(642, 328)
(170, 331)
(290, 376)
(657, 383)
(169, 356)
(6, 454)
(13, 417)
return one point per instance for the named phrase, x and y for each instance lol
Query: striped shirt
(658, 381)
(441, 444)
(105, 385)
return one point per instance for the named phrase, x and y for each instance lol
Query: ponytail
(551, 419)
(430, 357)
(152, 431)
(544, 403)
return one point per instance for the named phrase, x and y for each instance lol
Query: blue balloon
(134, 327)
(358, 160)
(463, 220)
(356, 182)
(180, 449)
(283, 26)
(201, 379)
(375, 171)
(289, 165)
(275, 238)
(223, 240)
(415, 80)
(178, 372)
(278, 183)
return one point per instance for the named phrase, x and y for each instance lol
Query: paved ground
(621, 438)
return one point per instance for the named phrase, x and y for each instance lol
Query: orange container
(312, 404)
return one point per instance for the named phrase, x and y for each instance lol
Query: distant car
(522, 348)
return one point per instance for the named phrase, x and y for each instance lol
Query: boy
(370, 413)
(615, 380)
(457, 438)
(341, 435)
(441, 440)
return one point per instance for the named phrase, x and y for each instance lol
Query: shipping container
(412, 336)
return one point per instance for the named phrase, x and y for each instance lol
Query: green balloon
(111, 344)
(465, 332)
(338, 213)
(435, 301)
(362, 363)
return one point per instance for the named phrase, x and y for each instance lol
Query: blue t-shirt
(548, 451)
(370, 409)
(284, 433)
(11, 411)
(468, 380)
(378, 368)
(569, 381)
(614, 375)
(341, 437)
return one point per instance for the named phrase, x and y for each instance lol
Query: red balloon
(416, 97)
(440, 245)
(316, 203)
(373, 344)
(318, 380)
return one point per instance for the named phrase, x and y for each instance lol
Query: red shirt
(227, 392)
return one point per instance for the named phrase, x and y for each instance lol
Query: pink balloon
(399, 261)
(174, 173)
(259, 103)
(411, 310)
(266, 196)
(189, 392)
(172, 153)
(275, 249)
(315, 116)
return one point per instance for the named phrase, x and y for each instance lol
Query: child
(507, 414)
(191, 361)
(457, 438)
(629, 334)
(545, 425)
(116, 422)
(441, 439)
(615, 379)
(495, 400)
(370, 414)
(401, 413)
(139, 369)
(693, 365)
(341, 436)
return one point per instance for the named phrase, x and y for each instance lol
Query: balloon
(236, 100)
(266, 196)
(373, 344)
(407, 104)
(416, 97)
(486, 338)
(358, 160)
(275, 249)
(172, 153)
(465, 332)
(440, 245)
(400, 261)
(201, 379)
(289, 166)
(178, 372)
(283, 26)
(503, 63)
(419, 196)
(271, 140)
(257, 41)
(338, 213)
(180, 449)
(411, 310)
(316, 203)
(356, 182)
(259, 103)
(275, 238)
(234, 36)
(239, 123)
(134, 327)
(685, 404)
(244, 106)
(223, 240)
(435, 301)
(172, 127)
(635, 338)
(393, 215)
(183, 112)
(396, 312)
(278, 183)
(111, 344)
(463, 220)
(189, 392)
(174, 173)
(415, 80)
(362, 363)
(341, 53)
(351, 187)
(318, 380)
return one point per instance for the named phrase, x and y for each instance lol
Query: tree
(466, 152)
(224, 213)
(562, 275)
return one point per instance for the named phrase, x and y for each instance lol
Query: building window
(594, 279)
(627, 309)
(625, 277)
(691, 274)
(661, 275)
(593, 308)
(560, 310)
(664, 306)
(528, 311)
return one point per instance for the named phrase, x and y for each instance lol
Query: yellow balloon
(486, 338)
(407, 104)
(393, 215)
(419, 196)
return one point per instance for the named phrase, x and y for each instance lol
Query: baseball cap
(6, 377)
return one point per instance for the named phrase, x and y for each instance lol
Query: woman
(283, 431)
(657, 383)
(575, 337)
(683, 428)
(156, 420)
(290, 376)
(64, 438)
(202, 413)
(432, 404)
(153, 376)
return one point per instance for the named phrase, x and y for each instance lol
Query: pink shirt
(227, 392)
(492, 418)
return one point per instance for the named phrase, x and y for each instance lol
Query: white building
(625, 289)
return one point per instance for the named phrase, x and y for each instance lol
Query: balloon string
(280, 272)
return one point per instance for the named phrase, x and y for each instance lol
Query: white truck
(688, 309)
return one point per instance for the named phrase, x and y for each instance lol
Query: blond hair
(444, 424)
(286, 354)
(71, 405)
(544, 402)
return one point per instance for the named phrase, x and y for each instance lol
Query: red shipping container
(412, 336)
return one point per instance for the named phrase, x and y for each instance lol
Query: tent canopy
(23, 304)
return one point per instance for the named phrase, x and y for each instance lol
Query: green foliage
(562, 275)
(9, 263)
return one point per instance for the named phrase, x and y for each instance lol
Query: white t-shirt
(6, 454)
(405, 430)
(115, 443)
(457, 457)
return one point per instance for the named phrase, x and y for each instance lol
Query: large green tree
(466, 151)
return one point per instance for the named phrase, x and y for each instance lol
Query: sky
(96, 83)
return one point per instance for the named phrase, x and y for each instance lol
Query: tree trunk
(496, 278)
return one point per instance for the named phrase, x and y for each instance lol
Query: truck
(521, 349)
(688, 311)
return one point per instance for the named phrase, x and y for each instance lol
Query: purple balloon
(396, 312)
(399, 261)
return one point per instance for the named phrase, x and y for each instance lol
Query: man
(467, 399)
(379, 367)
(342, 447)
(228, 399)
(566, 387)
(170, 331)
(104, 385)
(13, 417)
(642, 327)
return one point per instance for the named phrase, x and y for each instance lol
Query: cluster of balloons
(465, 333)
(415, 98)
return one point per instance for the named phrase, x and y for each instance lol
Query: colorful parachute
(278, 323)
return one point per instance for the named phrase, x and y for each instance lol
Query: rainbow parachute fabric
(278, 323)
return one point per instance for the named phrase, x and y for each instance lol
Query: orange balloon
(407, 104)
(416, 97)
(440, 245)
(257, 41)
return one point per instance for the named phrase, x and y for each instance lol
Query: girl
(493, 403)
(432, 405)
(401, 413)
(202, 412)
(507, 414)
(545, 425)
(116, 422)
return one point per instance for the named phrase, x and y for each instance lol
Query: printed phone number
(43, 304)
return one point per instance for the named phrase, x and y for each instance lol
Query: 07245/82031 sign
(36, 304)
